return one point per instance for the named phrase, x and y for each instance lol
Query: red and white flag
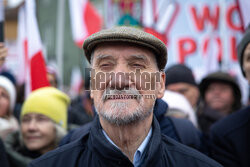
(30, 46)
(84, 20)
(158, 17)
(22, 46)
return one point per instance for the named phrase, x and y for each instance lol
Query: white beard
(119, 112)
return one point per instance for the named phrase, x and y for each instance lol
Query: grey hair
(91, 58)
(60, 133)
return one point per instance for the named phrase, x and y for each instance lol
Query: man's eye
(104, 65)
(136, 65)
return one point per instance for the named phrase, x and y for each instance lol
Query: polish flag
(84, 20)
(30, 46)
(22, 46)
(158, 17)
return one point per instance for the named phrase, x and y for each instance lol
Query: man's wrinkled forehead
(100, 54)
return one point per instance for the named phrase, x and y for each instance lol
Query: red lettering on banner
(206, 15)
(205, 46)
(219, 44)
(233, 48)
(229, 18)
(186, 46)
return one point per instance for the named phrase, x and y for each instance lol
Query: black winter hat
(241, 47)
(179, 73)
(222, 77)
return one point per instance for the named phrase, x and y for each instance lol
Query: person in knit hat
(230, 137)
(8, 122)
(220, 96)
(179, 78)
(227, 104)
(43, 124)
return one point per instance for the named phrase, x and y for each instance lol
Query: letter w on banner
(84, 20)
(30, 48)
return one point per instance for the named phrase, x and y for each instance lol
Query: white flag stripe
(33, 34)
(21, 34)
(109, 17)
(76, 80)
(244, 9)
(77, 8)
(147, 14)
(1, 11)
(164, 20)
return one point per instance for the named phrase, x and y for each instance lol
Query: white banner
(244, 11)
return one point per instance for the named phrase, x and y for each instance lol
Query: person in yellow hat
(43, 123)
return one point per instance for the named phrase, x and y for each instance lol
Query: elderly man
(231, 136)
(125, 82)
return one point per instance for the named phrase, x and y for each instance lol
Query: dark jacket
(207, 117)
(77, 112)
(93, 149)
(3, 157)
(231, 139)
(178, 129)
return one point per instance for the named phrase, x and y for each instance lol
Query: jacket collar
(100, 145)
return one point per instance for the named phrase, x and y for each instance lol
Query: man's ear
(161, 85)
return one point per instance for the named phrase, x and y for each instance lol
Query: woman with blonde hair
(43, 124)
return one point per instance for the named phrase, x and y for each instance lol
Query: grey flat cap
(129, 35)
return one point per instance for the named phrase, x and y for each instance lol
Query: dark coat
(93, 149)
(231, 139)
(3, 157)
(178, 129)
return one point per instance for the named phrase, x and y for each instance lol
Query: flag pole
(1, 21)
(60, 40)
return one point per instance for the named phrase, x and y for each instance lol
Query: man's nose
(121, 79)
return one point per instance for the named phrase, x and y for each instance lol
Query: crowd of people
(174, 122)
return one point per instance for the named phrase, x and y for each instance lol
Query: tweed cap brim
(241, 48)
(128, 35)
